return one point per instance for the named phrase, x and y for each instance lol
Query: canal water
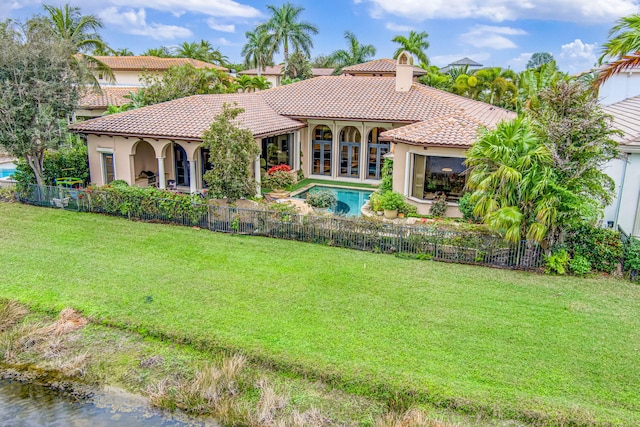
(27, 405)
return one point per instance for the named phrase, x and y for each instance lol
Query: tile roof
(151, 63)
(187, 118)
(276, 70)
(379, 66)
(626, 118)
(335, 97)
(110, 95)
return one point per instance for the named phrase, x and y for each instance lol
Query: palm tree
(261, 83)
(190, 50)
(416, 44)
(284, 28)
(257, 51)
(533, 80)
(498, 86)
(160, 52)
(81, 32)
(356, 53)
(513, 183)
(623, 46)
(123, 52)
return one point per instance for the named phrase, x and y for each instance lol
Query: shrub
(119, 183)
(439, 206)
(391, 200)
(557, 262)
(322, 199)
(407, 209)
(632, 258)
(466, 208)
(602, 247)
(7, 194)
(279, 178)
(375, 201)
(579, 265)
(386, 178)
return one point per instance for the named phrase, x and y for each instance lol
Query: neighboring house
(625, 171)
(464, 62)
(620, 86)
(275, 73)
(379, 68)
(335, 128)
(127, 71)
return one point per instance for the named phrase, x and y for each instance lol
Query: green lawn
(508, 343)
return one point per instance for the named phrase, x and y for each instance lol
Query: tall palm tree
(415, 44)
(257, 52)
(81, 32)
(355, 54)
(498, 86)
(513, 182)
(285, 28)
(191, 50)
(623, 47)
(532, 81)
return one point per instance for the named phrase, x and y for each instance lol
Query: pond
(31, 405)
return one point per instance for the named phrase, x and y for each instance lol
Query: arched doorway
(145, 164)
(350, 152)
(321, 144)
(181, 166)
(377, 149)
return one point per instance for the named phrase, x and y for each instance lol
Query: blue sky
(493, 32)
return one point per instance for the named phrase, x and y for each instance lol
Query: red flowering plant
(279, 178)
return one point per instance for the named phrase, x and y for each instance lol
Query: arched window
(181, 166)
(377, 149)
(321, 144)
(350, 152)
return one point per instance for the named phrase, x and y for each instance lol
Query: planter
(391, 214)
(280, 194)
(400, 215)
(380, 213)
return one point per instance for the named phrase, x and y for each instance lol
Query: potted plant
(322, 200)
(375, 203)
(279, 179)
(390, 202)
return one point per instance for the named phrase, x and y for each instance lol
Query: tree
(623, 47)
(38, 92)
(436, 79)
(80, 31)
(258, 51)
(538, 59)
(178, 82)
(233, 151)
(498, 86)
(323, 61)
(284, 28)
(122, 52)
(578, 135)
(532, 81)
(298, 67)
(355, 54)
(513, 183)
(160, 52)
(415, 44)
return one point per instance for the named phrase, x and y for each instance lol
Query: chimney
(404, 72)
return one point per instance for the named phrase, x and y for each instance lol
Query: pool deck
(328, 184)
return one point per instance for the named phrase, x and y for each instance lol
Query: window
(276, 150)
(377, 150)
(350, 152)
(205, 161)
(108, 168)
(433, 175)
(322, 140)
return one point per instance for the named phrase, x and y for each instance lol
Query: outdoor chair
(60, 203)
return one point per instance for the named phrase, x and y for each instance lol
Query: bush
(602, 247)
(279, 178)
(386, 176)
(322, 199)
(375, 201)
(466, 208)
(557, 262)
(7, 194)
(391, 201)
(439, 207)
(632, 258)
(407, 209)
(579, 265)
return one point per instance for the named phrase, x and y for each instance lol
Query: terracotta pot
(391, 214)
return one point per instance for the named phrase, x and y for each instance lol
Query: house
(274, 73)
(333, 127)
(127, 71)
(464, 62)
(379, 68)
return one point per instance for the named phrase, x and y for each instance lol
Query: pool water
(7, 169)
(350, 201)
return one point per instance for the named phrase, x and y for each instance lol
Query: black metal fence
(425, 241)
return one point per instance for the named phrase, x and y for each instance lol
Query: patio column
(256, 172)
(161, 178)
(192, 176)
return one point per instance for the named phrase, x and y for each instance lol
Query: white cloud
(134, 22)
(396, 27)
(491, 37)
(11, 5)
(224, 8)
(503, 10)
(224, 42)
(519, 63)
(225, 28)
(444, 60)
(577, 56)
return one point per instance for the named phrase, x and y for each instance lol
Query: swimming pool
(7, 169)
(350, 200)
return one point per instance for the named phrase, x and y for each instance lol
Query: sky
(500, 33)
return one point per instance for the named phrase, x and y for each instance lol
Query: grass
(544, 350)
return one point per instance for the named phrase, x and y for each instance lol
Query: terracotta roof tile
(276, 70)
(189, 117)
(379, 66)
(151, 63)
(110, 95)
(454, 130)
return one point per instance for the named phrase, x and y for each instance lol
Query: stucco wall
(127, 78)
(620, 87)
(402, 173)
(628, 211)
